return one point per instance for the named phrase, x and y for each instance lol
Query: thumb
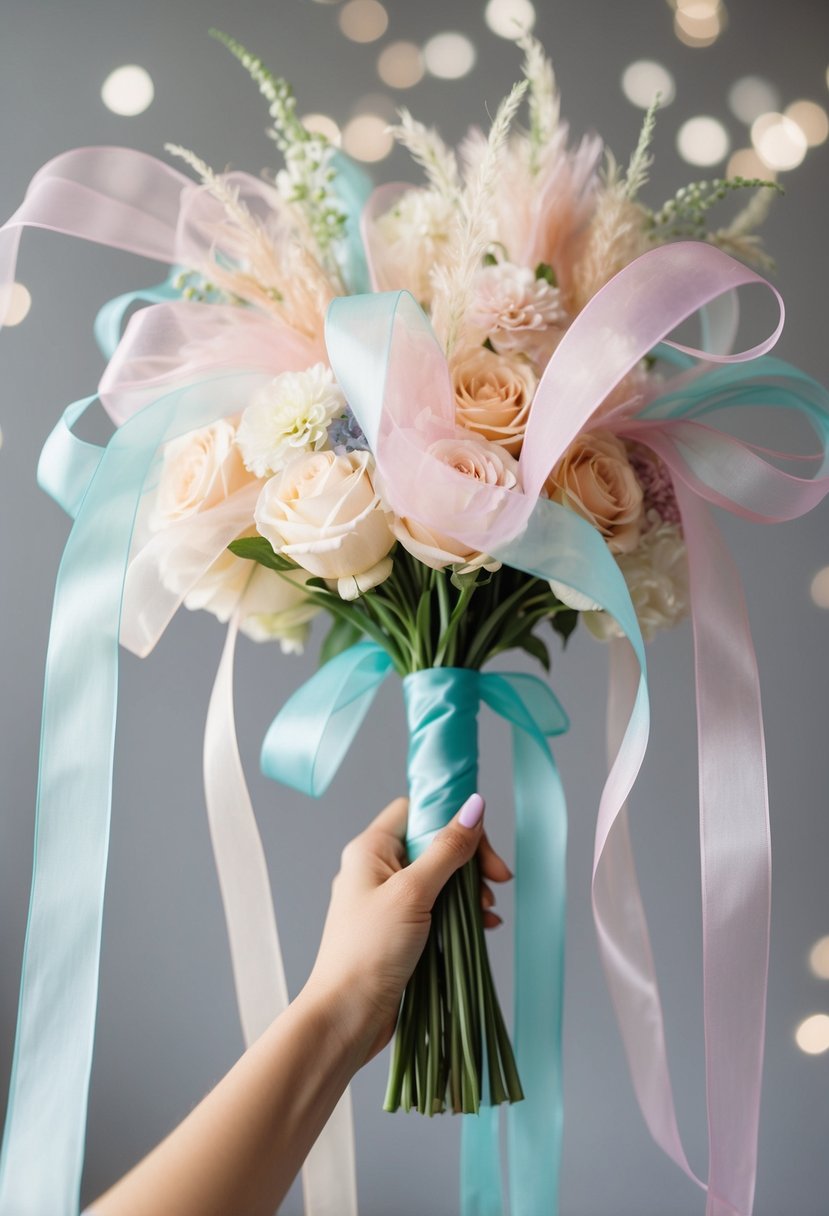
(451, 848)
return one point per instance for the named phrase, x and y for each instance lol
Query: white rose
(323, 512)
(276, 607)
(288, 415)
(656, 573)
(200, 470)
(479, 460)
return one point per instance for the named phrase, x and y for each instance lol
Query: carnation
(513, 307)
(288, 415)
(656, 573)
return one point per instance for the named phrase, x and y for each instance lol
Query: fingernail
(471, 811)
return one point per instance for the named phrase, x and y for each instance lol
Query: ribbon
(304, 747)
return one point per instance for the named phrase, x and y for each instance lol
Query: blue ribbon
(304, 747)
(42, 1153)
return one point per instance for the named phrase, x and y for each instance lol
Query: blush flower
(513, 307)
(289, 414)
(480, 461)
(323, 512)
(493, 394)
(414, 237)
(596, 479)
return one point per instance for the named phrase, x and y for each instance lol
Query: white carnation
(288, 415)
(656, 573)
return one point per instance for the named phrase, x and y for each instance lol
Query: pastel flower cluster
(503, 246)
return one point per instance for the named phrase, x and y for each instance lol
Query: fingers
(392, 818)
(487, 896)
(449, 850)
(491, 920)
(492, 865)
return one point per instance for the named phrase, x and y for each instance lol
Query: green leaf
(342, 634)
(564, 623)
(534, 646)
(490, 259)
(488, 345)
(545, 271)
(257, 549)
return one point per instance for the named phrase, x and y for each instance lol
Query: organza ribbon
(304, 747)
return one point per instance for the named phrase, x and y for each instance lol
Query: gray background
(167, 1027)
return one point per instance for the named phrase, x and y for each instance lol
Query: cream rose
(324, 513)
(474, 458)
(657, 578)
(276, 607)
(200, 471)
(493, 394)
(595, 479)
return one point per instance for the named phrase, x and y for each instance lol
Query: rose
(596, 479)
(493, 394)
(201, 469)
(474, 458)
(324, 513)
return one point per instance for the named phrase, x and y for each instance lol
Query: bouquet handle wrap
(441, 711)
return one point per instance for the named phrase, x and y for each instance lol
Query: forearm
(242, 1146)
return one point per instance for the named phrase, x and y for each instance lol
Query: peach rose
(201, 469)
(493, 394)
(323, 512)
(479, 460)
(595, 479)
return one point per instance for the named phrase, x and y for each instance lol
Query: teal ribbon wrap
(303, 748)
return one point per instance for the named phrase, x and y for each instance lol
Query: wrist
(342, 1018)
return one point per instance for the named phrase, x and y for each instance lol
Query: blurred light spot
(819, 591)
(819, 953)
(15, 302)
(751, 96)
(364, 20)
(367, 138)
(746, 163)
(321, 124)
(699, 22)
(702, 141)
(400, 65)
(641, 81)
(509, 18)
(449, 56)
(128, 90)
(812, 120)
(812, 1035)
(779, 142)
(377, 104)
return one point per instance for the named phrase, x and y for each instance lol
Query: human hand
(379, 917)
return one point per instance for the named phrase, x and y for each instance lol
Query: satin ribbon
(304, 747)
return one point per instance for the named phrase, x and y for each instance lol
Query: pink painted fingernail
(471, 811)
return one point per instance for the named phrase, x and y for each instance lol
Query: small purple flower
(345, 435)
(657, 486)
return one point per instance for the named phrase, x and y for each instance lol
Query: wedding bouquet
(448, 417)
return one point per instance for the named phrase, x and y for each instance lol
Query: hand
(379, 918)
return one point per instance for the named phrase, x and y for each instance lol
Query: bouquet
(448, 417)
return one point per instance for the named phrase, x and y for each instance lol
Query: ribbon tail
(329, 1173)
(535, 1126)
(480, 1168)
(625, 942)
(735, 856)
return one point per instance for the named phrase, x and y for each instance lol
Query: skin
(242, 1146)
